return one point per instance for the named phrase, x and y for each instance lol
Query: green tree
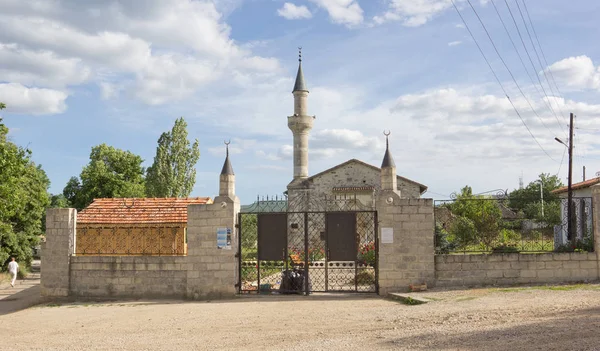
(528, 199)
(59, 201)
(23, 200)
(173, 173)
(478, 219)
(111, 172)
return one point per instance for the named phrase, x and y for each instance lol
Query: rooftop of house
(581, 185)
(139, 210)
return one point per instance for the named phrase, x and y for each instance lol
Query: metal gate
(326, 250)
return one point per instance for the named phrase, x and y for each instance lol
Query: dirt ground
(562, 318)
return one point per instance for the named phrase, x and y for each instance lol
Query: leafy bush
(443, 244)
(463, 232)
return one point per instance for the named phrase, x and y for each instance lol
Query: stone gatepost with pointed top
(212, 242)
(406, 235)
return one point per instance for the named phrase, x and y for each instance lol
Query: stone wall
(410, 258)
(128, 276)
(357, 174)
(212, 272)
(57, 250)
(511, 269)
(206, 272)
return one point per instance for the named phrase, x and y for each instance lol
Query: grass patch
(465, 298)
(570, 287)
(433, 298)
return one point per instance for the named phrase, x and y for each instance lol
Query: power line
(536, 53)
(529, 56)
(545, 61)
(498, 80)
(561, 161)
(506, 66)
(525, 67)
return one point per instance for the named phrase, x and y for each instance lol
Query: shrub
(367, 254)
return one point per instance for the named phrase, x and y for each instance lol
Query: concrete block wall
(410, 258)
(57, 250)
(511, 269)
(129, 276)
(211, 272)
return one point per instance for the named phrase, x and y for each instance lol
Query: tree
(111, 173)
(173, 173)
(59, 201)
(528, 200)
(23, 200)
(478, 219)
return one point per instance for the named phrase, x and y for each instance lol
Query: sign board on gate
(224, 238)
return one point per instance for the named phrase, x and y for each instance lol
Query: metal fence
(490, 225)
(149, 240)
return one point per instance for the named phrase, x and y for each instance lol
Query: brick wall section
(410, 258)
(511, 269)
(57, 250)
(206, 272)
(129, 276)
(212, 272)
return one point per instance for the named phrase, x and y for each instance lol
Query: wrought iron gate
(327, 250)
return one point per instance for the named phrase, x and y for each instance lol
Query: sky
(75, 74)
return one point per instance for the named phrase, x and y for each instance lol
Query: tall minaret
(300, 124)
(389, 180)
(227, 177)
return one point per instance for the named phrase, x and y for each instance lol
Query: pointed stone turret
(300, 123)
(227, 177)
(389, 180)
(300, 85)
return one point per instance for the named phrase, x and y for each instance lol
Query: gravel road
(481, 319)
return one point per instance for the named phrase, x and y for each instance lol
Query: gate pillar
(406, 242)
(212, 247)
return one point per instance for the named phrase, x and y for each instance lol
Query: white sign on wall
(387, 235)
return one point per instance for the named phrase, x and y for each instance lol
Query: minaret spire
(300, 123)
(227, 177)
(389, 179)
(227, 169)
(388, 160)
(299, 85)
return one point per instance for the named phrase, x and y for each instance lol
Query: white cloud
(44, 68)
(291, 11)
(347, 12)
(454, 43)
(159, 53)
(412, 13)
(108, 90)
(24, 100)
(576, 72)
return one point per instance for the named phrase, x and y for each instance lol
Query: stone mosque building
(353, 178)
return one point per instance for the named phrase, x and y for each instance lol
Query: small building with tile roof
(134, 226)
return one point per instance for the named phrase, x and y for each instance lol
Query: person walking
(13, 268)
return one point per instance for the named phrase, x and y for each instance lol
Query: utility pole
(584, 173)
(542, 196)
(570, 235)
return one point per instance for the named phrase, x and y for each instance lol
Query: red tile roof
(138, 210)
(580, 185)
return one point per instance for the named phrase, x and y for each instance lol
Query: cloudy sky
(75, 74)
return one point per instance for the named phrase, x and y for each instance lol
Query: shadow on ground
(578, 330)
